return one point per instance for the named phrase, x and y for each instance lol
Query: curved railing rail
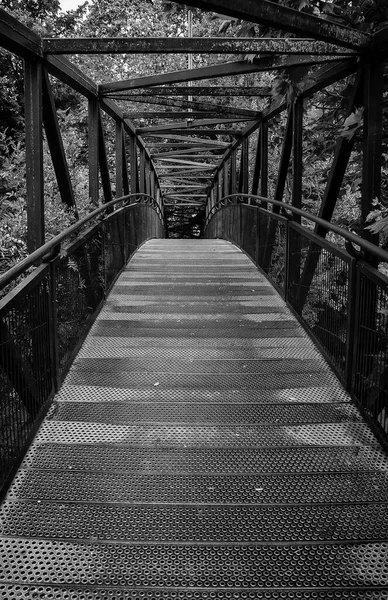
(332, 285)
(46, 316)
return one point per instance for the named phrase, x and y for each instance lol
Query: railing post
(34, 153)
(351, 345)
(292, 280)
(287, 264)
(53, 320)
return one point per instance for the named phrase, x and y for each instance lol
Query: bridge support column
(372, 143)
(93, 143)
(34, 154)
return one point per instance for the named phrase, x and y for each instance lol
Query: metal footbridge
(194, 373)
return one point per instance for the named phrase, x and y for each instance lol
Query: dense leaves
(326, 118)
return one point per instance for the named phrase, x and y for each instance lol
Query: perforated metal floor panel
(199, 449)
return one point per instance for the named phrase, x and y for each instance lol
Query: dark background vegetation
(324, 119)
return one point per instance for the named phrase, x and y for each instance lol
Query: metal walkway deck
(199, 449)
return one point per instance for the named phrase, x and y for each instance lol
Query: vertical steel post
(233, 173)
(351, 346)
(372, 141)
(297, 157)
(256, 172)
(226, 179)
(264, 161)
(293, 245)
(142, 171)
(119, 158)
(93, 139)
(244, 166)
(125, 167)
(220, 187)
(103, 162)
(53, 308)
(371, 189)
(34, 154)
(133, 164)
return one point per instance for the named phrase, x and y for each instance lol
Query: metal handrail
(367, 246)
(36, 257)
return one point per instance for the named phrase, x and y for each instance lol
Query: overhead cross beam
(150, 131)
(206, 107)
(219, 70)
(183, 45)
(175, 115)
(183, 125)
(177, 161)
(286, 19)
(184, 138)
(203, 90)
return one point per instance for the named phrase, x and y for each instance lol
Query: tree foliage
(325, 119)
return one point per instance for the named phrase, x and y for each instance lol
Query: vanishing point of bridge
(197, 418)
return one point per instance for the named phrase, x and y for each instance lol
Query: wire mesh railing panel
(249, 224)
(272, 245)
(370, 364)
(318, 289)
(114, 246)
(25, 364)
(44, 320)
(132, 232)
(341, 300)
(234, 216)
(276, 268)
(79, 290)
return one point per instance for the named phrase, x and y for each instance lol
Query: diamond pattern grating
(199, 449)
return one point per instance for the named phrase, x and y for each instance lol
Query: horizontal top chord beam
(183, 125)
(178, 45)
(178, 115)
(281, 17)
(18, 38)
(197, 90)
(192, 131)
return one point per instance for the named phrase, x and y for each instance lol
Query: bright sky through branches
(70, 4)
